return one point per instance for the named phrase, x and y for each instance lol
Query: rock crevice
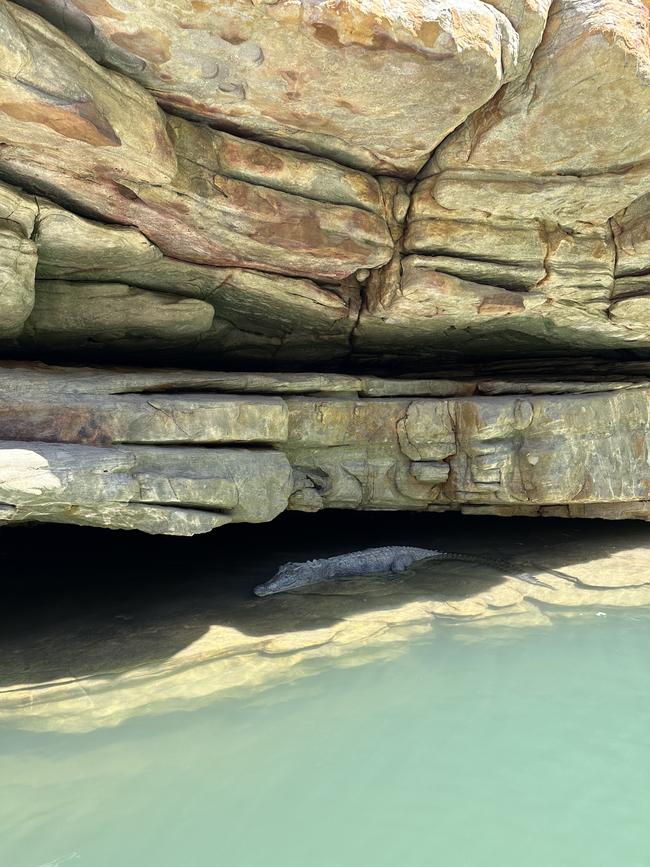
(311, 188)
(182, 452)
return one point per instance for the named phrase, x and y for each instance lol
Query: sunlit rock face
(329, 186)
(183, 452)
(376, 85)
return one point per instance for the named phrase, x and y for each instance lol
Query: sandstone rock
(554, 284)
(300, 235)
(154, 489)
(498, 450)
(19, 379)
(564, 454)
(17, 210)
(180, 201)
(73, 248)
(52, 94)
(539, 147)
(277, 168)
(240, 224)
(265, 316)
(631, 229)
(17, 260)
(508, 198)
(631, 304)
(550, 463)
(589, 74)
(439, 231)
(17, 268)
(144, 419)
(92, 317)
(574, 265)
(321, 77)
(214, 219)
(256, 315)
(425, 306)
(560, 199)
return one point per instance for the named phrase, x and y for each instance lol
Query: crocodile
(390, 559)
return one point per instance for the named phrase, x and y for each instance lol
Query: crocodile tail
(492, 561)
(565, 575)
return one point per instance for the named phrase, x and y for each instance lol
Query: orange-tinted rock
(372, 84)
(95, 140)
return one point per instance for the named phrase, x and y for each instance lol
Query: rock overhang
(332, 186)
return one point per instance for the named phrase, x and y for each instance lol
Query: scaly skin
(375, 561)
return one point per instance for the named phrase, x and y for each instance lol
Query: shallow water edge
(101, 628)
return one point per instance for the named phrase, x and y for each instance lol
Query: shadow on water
(79, 601)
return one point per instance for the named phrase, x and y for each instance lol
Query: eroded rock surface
(311, 187)
(93, 446)
(17, 261)
(318, 76)
(95, 139)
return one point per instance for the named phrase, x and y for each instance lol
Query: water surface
(531, 751)
(449, 720)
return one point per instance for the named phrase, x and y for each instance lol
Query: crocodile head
(288, 577)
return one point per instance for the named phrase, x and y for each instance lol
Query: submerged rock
(212, 640)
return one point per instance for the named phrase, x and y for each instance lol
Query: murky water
(467, 748)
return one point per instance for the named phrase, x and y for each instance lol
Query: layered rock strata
(330, 186)
(317, 76)
(182, 452)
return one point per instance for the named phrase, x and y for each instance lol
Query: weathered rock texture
(95, 447)
(344, 186)
(318, 76)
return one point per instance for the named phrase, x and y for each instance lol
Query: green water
(532, 751)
